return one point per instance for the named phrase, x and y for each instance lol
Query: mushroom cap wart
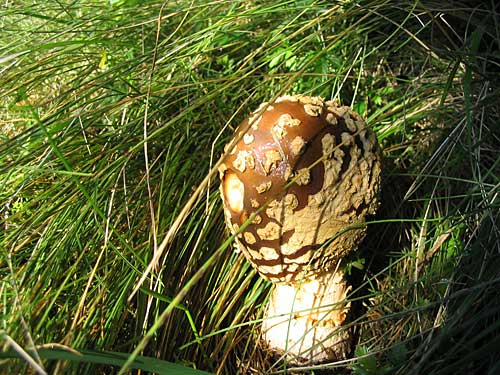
(310, 172)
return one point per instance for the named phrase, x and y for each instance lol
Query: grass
(112, 119)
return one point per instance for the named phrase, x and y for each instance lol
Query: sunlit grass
(112, 118)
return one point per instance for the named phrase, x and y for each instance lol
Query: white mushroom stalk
(313, 169)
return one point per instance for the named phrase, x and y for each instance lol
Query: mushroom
(306, 172)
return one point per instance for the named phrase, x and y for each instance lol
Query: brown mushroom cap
(315, 167)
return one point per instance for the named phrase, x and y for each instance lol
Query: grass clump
(113, 116)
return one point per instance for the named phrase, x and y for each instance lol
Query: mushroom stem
(304, 321)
